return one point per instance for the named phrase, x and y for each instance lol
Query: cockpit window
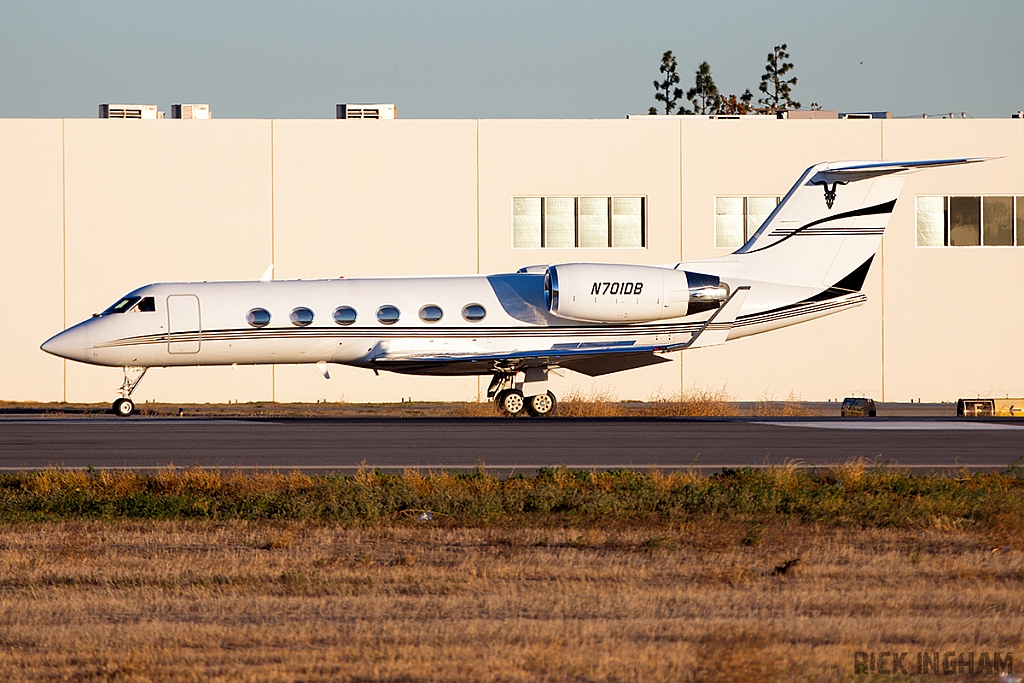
(147, 305)
(122, 305)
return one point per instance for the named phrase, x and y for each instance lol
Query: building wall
(31, 257)
(156, 203)
(90, 209)
(954, 315)
(362, 198)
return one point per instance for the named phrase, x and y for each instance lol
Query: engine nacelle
(612, 293)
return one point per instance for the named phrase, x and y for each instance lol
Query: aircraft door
(183, 323)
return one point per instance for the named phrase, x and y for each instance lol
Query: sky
(529, 59)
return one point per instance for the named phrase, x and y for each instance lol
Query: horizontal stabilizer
(717, 328)
(845, 171)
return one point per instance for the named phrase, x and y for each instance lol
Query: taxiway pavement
(504, 445)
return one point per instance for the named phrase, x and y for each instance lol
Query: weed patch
(746, 502)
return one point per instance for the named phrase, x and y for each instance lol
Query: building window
(931, 221)
(737, 218)
(997, 228)
(965, 221)
(579, 222)
(969, 221)
(526, 232)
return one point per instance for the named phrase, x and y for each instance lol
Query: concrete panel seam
(64, 243)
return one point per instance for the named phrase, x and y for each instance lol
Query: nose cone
(70, 344)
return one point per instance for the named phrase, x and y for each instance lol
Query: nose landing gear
(124, 406)
(530, 395)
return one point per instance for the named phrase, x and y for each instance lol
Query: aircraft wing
(588, 358)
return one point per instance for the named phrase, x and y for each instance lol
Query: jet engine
(611, 293)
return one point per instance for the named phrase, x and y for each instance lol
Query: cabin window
(344, 315)
(970, 221)
(579, 222)
(147, 305)
(474, 313)
(388, 315)
(258, 317)
(431, 313)
(123, 305)
(301, 316)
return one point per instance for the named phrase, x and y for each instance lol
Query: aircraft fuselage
(208, 323)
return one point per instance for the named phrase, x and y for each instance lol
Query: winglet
(716, 329)
(268, 274)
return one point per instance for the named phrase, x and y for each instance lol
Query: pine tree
(704, 94)
(666, 91)
(774, 85)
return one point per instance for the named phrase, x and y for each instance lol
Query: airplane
(808, 259)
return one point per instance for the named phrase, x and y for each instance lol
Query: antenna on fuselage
(268, 274)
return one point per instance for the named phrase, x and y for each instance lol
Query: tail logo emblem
(830, 194)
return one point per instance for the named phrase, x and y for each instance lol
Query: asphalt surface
(504, 445)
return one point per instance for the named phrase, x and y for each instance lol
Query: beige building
(90, 209)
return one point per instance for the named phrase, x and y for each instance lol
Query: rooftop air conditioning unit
(190, 111)
(129, 111)
(366, 111)
(865, 114)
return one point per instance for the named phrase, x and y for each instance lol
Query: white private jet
(808, 259)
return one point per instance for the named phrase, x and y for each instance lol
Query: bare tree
(738, 105)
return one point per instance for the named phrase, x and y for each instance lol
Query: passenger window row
(346, 315)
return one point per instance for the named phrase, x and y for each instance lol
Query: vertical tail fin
(830, 223)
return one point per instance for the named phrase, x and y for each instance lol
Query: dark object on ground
(858, 407)
(785, 566)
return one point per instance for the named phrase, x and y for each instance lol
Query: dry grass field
(693, 403)
(769, 575)
(289, 601)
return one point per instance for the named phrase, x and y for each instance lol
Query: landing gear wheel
(541, 405)
(510, 402)
(124, 407)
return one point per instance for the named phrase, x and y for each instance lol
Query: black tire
(510, 402)
(542, 405)
(124, 407)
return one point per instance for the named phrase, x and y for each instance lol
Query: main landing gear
(530, 395)
(124, 406)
